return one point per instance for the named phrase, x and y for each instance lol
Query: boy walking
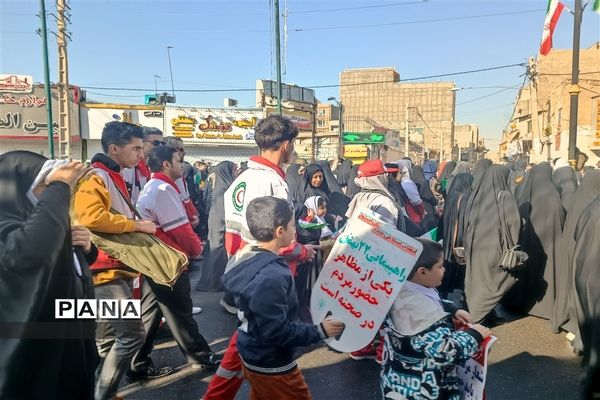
(263, 287)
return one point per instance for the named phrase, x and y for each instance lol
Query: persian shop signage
(25, 115)
(302, 119)
(16, 83)
(212, 125)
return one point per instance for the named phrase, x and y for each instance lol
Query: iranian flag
(555, 7)
(597, 6)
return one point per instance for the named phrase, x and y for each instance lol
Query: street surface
(527, 362)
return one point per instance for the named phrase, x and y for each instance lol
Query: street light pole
(278, 55)
(574, 90)
(156, 85)
(171, 70)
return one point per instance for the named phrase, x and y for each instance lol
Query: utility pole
(64, 106)
(406, 134)
(574, 90)
(44, 34)
(535, 121)
(278, 55)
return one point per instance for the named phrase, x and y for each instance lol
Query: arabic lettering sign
(363, 138)
(16, 83)
(471, 376)
(369, 263)
(25, 115)
(302, 119)
(203, 125)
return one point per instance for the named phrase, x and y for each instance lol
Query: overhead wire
(317, 86)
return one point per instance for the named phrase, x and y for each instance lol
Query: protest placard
(471, 376)
(369, 263)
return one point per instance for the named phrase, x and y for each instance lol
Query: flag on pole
(555, 7)
(596, 6)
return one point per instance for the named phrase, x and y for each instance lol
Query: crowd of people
(513, 239)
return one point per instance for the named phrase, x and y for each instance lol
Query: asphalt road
(528, 362)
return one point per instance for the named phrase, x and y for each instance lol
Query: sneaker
(367, 353)
(150, 373)
(212, 360)
(196, 310)
(228, 307)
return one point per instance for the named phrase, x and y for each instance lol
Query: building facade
(547, 96)
(24, 118)
(377, 98)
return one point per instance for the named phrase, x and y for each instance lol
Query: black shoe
(150, 373)
(211, 360)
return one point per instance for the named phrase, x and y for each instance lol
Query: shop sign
(212, 125)
(302, 119)
(16, 83)
(25, 115)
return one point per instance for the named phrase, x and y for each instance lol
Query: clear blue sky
(227, 44)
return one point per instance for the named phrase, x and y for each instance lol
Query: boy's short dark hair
(173, 142)
(158, 156)
(119, 133)
(272, 131)
(149, 130)
(321, 202)
(432, 251)
(265, 214)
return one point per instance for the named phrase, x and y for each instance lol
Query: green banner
(363, 138)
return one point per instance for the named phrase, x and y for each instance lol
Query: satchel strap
(128, 202)
(455, 234)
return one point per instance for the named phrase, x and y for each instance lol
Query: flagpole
(574, 90)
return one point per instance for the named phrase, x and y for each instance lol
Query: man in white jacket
(275, 137)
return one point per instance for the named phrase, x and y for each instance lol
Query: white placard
(471, 376)
(369, 263)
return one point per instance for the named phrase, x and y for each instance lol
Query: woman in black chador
(492, 220)
(42, 258)
(216, 260)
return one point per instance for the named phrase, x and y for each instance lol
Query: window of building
(321, 124)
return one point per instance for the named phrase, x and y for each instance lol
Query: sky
(225, 45)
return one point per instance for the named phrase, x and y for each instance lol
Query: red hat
(374, 168)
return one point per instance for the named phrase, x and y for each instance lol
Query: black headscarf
(564, 309)
(479, 170)
(330, 190)
(492, 215)
(454, 213)
(213, 267)
(343, 173)
(541, 209)
(296, 184)
(332, 183)
(454, 229)
(37, 267)
(323, 190)
(430, 220)
(352, 188)
(461, 167)
(586, 260)
(565, 181)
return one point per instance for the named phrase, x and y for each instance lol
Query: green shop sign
(363, 138)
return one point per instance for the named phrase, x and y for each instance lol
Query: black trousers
(176, 306)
